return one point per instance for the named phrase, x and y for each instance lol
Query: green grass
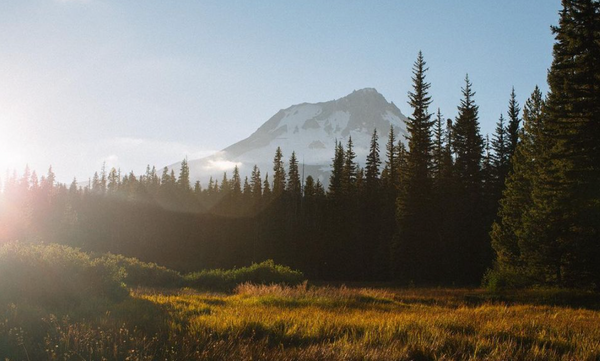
(57, 303)
(266, 272)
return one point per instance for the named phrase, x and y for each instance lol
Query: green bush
(56, 276)
(495, 280)
(138, 273)
(266, 272)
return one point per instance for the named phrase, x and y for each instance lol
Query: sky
(131, 83)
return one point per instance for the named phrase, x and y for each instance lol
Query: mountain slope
(311, 131)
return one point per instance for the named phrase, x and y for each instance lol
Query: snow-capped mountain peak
(310, 130)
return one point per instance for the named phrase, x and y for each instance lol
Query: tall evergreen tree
(294, 186)
(438, 146)
(337, 171)
(279, 180)
(390, 170)
(415, 207)
(184, 176)
(471, 241)
(509, 228)
(349, 170)
(372, 164)
(561, 230)
(514, 123)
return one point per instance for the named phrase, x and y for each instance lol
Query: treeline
(420, 210)
(417, 214)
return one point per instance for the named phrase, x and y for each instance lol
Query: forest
(445, 206)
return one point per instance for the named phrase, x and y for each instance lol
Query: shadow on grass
(550, 297)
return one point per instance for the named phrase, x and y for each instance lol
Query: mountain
(310, 130)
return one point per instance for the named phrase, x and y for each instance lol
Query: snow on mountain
(310, 130)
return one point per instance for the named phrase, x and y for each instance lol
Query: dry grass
(332, 323)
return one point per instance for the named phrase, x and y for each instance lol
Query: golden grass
(383, 324)
(322, 323)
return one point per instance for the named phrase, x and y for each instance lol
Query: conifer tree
(390, 171)
(184, 176)
(279, 180)
(349, 170)
(294, 186)
(266, 189)
(516, 201)
(256, 186)
(500, 161)
(337, 171)
(561, 230)
(438, 146)
(372, 164)
(236, 183)
(472, 244)
(415, 207)
(514, 124)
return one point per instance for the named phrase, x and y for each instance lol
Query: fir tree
(514, 124)
(516, 201)
(279, 180)
(349, 170)
(372, 164)
(471, 247)
(294, 186)
(415, 207)
(337, 171)
(561, 229)
(184, 176)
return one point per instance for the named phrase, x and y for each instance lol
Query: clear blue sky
(138, 82)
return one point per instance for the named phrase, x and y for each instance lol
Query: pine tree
(467, 142)
(184, 177)
(266, 190)
(372, 164)
(438, 146)
(472, 244)
(501, 145)
(294, 186)
(561, 230)
(236, 184)
(337, 171)
(415, 207)
(256, 186)
(279, 180)
(514, 124)
(390, 171)
(516, 201)
(349, 170)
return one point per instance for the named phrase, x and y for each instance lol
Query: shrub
(266, 272)
(55, 276)
(496, 280)
(138, 273)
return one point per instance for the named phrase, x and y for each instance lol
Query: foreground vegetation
(310, 323)
(57, 303)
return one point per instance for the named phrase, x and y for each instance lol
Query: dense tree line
(420, 210)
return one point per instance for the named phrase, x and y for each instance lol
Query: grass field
(311, 323)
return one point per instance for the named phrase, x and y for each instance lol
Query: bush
(266, 272)
(56, 276)
(496, 280)
(138, 273)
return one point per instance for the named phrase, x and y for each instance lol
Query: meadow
(194, 320)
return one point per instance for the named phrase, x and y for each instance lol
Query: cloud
(221, 165)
